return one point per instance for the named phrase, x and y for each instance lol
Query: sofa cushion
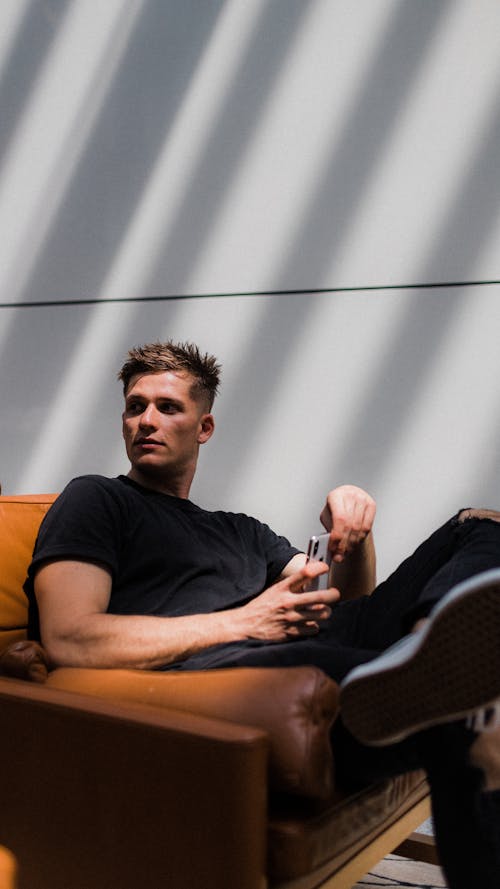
(296, 706)
(20, 519)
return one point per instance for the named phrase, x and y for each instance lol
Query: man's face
(163, 425)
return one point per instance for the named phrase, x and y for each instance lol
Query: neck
(178, 486)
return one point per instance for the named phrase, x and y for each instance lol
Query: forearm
(78, 631)
(140, 642)
(356, 575)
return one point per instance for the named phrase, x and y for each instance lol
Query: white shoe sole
(450, 672)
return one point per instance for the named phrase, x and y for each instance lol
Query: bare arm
(77, 631)
(356, 575)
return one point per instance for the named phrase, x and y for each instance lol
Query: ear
(207, 426)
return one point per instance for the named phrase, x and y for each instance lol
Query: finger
(332, 516)
(354, 532)
(316, 612)
(303, 628)
(369, 516)
(340, 534)
(309, 628)
(358, 517)
(295, 583)
(316, 597)
(362, 523)
(343, 515)
(316, 606)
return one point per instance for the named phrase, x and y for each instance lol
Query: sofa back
(20, 518)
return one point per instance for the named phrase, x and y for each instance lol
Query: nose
(148, 418)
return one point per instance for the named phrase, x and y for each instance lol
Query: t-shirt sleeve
(278, 552)
(85, 522)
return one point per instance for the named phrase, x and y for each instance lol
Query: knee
(472, 513)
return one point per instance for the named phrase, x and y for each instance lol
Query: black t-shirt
(166, 555)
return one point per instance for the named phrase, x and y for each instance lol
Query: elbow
(63, 650)
(59, 654)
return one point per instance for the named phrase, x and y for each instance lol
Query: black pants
(360, 629)
(467, 820)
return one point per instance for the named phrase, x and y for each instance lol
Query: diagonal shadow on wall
(259, 68)
(37, 32)
(407, 29)
(141, 106)
(146, 42)
(469, 219)
(252, 70)
(409, 358)
(355, 154)
(353, 162)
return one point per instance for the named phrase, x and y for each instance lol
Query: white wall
(207, 150)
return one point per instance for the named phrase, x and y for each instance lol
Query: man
(129, 572)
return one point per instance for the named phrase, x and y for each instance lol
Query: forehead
(165, 384)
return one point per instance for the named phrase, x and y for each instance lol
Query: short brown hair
(158, 357)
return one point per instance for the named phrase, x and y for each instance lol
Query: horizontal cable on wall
(313, 290)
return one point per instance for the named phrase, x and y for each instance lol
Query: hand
(348, 515)
(284, 611)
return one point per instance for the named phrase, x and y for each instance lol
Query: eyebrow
(161, 398)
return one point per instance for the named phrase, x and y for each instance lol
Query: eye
(134, 408)
(168, 407)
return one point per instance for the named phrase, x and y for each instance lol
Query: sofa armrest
(295, 706)
(99, 793)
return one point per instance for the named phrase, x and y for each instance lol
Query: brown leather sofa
(111, 779)
(7, 869)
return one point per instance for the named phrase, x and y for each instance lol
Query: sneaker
(447, 670)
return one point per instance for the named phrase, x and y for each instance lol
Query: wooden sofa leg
(419, 847)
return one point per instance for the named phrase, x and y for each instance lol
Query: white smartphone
(317, 551)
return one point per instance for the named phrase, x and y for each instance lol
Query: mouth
(147, 443)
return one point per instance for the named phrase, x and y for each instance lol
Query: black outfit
(168, 557)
